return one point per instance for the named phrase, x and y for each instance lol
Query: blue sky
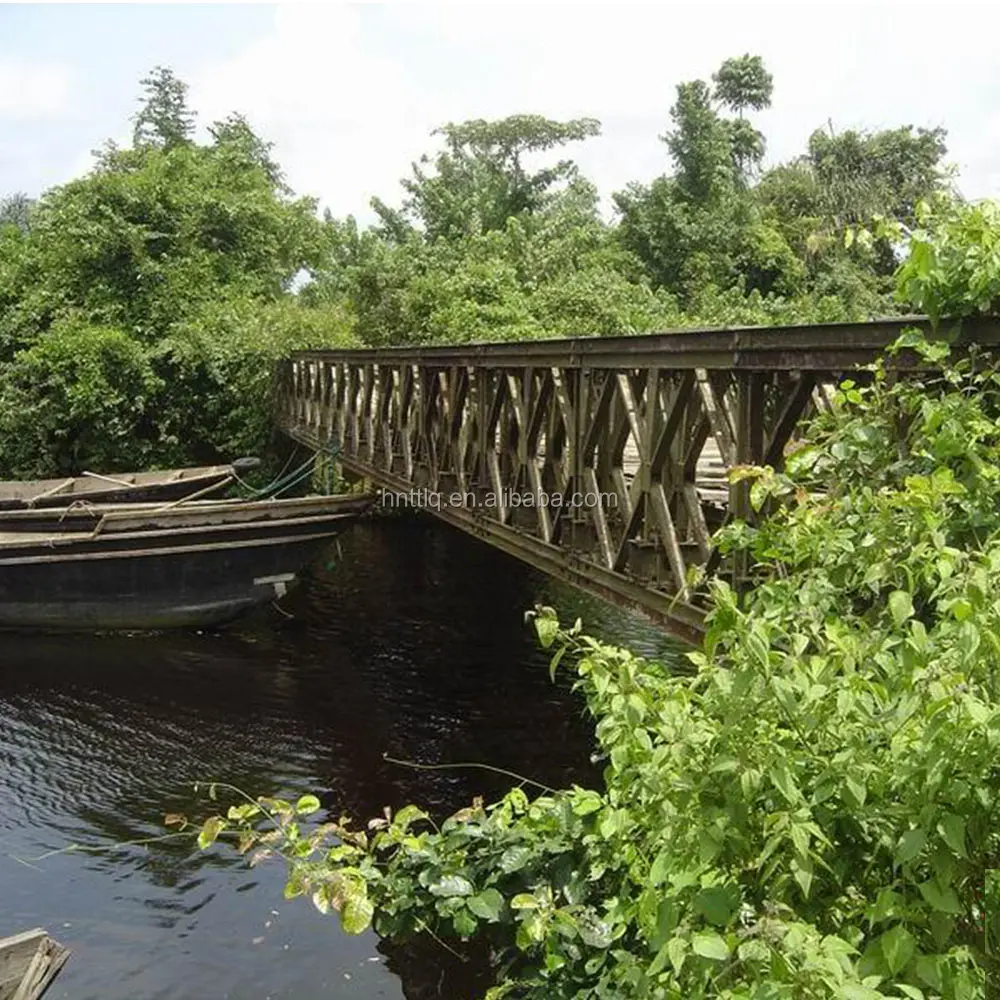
(349, 94)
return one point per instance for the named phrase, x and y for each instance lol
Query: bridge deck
(652, 424)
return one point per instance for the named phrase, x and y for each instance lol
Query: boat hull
(201, 577)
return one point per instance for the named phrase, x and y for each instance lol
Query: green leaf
(952, 829)
(514, 858)
(802, 460)
(210, 831)
(677, 949)
(660, 867)
(932, 969)
(857, 789)
(802, 872)
(887, 904)
(594, 932)
(406, 816)
(710, 945)
(910, 845)
(659, 963)
(524, 901)
(307, 804)
(961, 609)
(717, 904)
(586, 802)
(294, 886)
(554, 663)
(858, 991)
(488, 905)
(783, 781)
(244, 811)
(451, 885)
(941, 899)
(356, 913)
(547, 629)
(898, 946)
(901, 606)
(464, 923)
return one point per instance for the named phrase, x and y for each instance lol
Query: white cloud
(345, 119)
(29, 91)
(350, 95)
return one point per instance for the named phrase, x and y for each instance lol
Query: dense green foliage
(811, 811)
(485, 249)
(716, 222)
(142, 305)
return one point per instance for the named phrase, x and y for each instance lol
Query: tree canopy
(192, 246)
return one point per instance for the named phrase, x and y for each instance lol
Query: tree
(78, 397)
(481, 178)
(700, 146)
(15, 210)
(863, 174)
(161, 274)
(700, 227)
(164, 118)
(743, 82)
(155, 232)
(830, 205)
(234, 134)
(715, 223)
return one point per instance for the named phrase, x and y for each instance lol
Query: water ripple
(412, 646)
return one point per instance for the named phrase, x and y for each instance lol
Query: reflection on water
(409, 643)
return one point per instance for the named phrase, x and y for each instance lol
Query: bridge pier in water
(626, 444)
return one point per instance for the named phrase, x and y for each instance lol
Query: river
(408, 640)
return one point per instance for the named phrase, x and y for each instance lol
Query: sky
(349, 94)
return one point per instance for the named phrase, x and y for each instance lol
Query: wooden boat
(148, 566)
(28, 964)
(125, 487)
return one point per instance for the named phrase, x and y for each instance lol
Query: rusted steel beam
(827, 346)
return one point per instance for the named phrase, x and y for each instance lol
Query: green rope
(292, 479)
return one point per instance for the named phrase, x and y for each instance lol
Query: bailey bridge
(604, 462)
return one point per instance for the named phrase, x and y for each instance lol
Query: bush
(92, 397)
(79, 398)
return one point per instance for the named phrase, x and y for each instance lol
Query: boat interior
(93, 482)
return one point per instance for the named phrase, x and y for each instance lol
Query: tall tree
(234, 134)
(699, 145)
(699, 228)
(742, 83)
(164, 118)
(482, 177)
(15, 210)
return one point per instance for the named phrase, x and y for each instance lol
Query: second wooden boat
(143, 566)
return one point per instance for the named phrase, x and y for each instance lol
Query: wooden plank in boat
(166, 484)
(28, 963)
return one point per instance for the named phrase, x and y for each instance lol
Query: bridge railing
(605, 462)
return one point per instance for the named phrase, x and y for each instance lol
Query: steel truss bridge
(651, 425)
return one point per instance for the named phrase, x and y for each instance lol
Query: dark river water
(407, 641)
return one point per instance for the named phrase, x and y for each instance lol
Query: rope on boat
(291, 479)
